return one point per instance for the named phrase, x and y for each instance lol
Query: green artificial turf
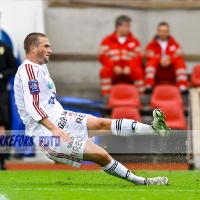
(55, 185)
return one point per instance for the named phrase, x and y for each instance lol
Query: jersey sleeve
(30, 84)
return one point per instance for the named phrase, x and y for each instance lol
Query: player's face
(124, 28)
(163, 32)
(43, 50)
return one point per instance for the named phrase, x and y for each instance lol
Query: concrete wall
(20, 18)
(80, 30)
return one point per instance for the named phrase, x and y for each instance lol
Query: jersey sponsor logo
(80, 118)
(34, 86)
(52, 98)
(50, 85)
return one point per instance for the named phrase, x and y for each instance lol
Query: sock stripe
(127, 174)
(113, 167)
(119, 126)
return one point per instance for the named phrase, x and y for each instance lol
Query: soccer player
(42, 114)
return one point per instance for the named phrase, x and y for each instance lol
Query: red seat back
(123, 95)
(175, 118)
(126, 112)
(166, 94)
(195, 77)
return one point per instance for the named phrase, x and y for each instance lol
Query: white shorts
(68, 153)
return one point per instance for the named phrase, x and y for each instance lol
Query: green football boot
(159, 124)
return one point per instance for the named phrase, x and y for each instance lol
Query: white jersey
(35, 97)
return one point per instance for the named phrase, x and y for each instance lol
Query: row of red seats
(127, 95)
(125, 101)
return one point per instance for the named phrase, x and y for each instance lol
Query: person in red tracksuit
(121, 57)
(165, 63)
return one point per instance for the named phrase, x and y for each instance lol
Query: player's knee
(104, 124)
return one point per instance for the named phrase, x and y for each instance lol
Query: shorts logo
(80, 118)
(72, 114)
(62, 120)
(33, 86)
(52, 99)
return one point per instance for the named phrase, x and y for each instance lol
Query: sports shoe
(159, 124)
(156, 181)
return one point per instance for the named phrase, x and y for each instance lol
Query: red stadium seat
(123, 95)
(166, 94)
(126, 112)
(195, 77)
(175, 118)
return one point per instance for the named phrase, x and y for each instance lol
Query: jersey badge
(34, 86)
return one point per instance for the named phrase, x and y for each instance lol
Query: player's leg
(126, 127)
(112, 167)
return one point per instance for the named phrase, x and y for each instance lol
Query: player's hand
(64, 136)
(127, 70)
(165, 62)
(117, 70)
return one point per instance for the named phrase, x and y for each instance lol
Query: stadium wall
(21, 17)
(80, 30)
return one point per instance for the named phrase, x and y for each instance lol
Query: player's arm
(55, 130)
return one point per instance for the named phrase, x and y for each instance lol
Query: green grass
(56, 185)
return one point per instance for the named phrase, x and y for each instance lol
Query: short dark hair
(32, 39)
(163, 24)
(121, 19)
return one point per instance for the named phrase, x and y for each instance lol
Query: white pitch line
(3, 197)
(96, 189)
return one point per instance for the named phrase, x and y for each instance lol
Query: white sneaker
(156, 181)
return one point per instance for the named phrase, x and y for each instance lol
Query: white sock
(126, 127)
(116, 169)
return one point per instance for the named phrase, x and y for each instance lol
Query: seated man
(165, 62)
(121, 58)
